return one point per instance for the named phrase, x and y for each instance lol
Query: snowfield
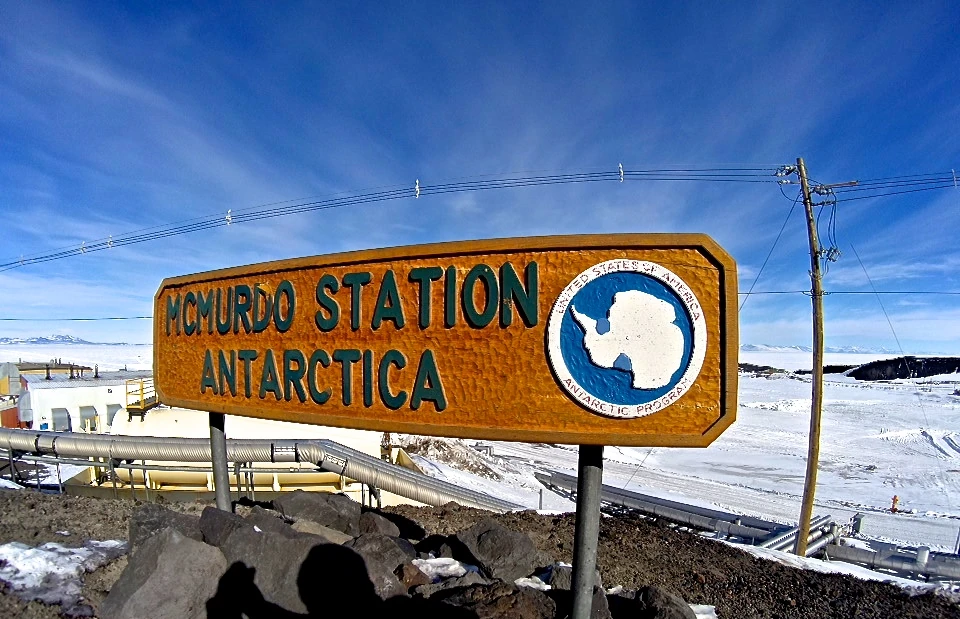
(878, 440)
(107, 356)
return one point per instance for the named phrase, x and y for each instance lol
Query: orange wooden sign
(626, 339)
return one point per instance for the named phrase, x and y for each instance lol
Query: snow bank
(51, 573)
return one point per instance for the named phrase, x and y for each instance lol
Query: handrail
(143, 392)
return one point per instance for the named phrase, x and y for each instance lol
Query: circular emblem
(626, 338)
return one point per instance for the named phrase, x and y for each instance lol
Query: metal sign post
(218, 458)
(586, 534)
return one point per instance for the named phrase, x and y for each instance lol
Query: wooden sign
(605, 340)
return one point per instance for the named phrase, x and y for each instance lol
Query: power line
(769, 253)
(289, 207)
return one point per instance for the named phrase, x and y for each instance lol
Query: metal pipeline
(936, 565)
(327, 455)
(788, 538)
(668, 510)
(826, 538)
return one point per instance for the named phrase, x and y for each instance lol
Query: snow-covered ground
(878, 440)
(107, 356)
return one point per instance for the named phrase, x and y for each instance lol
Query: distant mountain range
(857, 350)
(56, 339)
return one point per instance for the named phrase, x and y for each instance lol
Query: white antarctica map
(642, 330)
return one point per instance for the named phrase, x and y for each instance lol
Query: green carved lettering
(356, 282)
(173, 313)
(428, 386)
(318, 357)
(208, 378)
(390, 358)
(269, 379)
(189, 299)
(514, 294)
(205, 310)
(225, 311)
(228, 372)
(247, 356)
(242, 308)
(293, 377)
(450, 298)
(346, 358)
(368, 378)
(425, 276)
(285, 291)
(261, 322)
(388, 305)
(329, 321)
(480, 318)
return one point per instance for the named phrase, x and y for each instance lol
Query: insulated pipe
(328, 455)
(900, 563)
(788, 538)
(815, 547)
(673, 514)
(609, 492)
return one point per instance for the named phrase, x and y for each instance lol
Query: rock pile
(319, 555)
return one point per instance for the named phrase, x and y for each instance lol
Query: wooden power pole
(816, 400)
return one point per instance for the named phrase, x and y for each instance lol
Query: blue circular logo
(626, 338)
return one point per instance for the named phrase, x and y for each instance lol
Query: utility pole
(816, 400)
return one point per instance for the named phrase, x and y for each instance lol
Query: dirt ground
(33, 518)
(633, 552)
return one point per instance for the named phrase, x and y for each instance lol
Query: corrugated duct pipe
(328, 455)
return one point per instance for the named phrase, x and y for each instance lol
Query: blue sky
(116, 117)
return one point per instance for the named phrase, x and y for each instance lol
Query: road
(907, 529)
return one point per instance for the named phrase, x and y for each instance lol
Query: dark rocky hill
(907, 367)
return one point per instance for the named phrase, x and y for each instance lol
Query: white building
(79, 403)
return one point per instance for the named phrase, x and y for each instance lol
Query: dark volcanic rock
(151, 518)
(468, 579)
(410, 576)
(391, 551)
(599, 607)
(331, 510)
(331, 535)
(652, 603)
(498, 551)
(500, 600)
(216, 525)
(439, 546)
(269, 521)
(276, 558)
(371, 522)
(170, 576)
(561, 577)
(331, 581)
